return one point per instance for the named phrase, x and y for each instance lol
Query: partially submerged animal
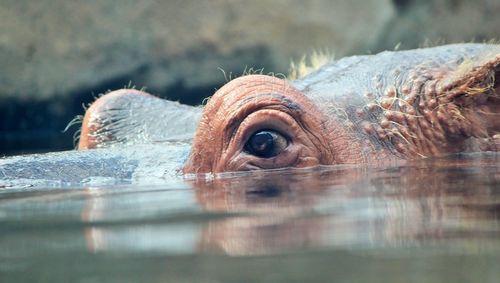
(374, 109)
(399, 105)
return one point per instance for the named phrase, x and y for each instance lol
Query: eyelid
(277, 102)
(266, 119)
(233, 155)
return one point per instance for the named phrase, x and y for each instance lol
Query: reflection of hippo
(430, 203)
(362, 109)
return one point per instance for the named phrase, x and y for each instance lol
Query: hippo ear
(469, 97)
(134, 117)
(474, 77)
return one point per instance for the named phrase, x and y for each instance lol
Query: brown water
(429, 221)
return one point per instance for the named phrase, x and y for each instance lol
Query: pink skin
(252, 103)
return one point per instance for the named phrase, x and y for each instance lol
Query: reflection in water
(123, 223)
(428, 221)
(448, 203)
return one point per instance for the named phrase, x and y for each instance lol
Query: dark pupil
(261, 144)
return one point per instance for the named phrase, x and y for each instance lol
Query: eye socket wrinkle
(286, 103)
(290, 104)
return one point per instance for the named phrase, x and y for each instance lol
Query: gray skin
(417, 103)
(402, 104)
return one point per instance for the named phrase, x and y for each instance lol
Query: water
(428, 221)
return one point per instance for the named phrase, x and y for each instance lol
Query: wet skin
(362, 109)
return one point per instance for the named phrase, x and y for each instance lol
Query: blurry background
(56, 55)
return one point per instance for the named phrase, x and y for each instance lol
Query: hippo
(382, 109)
(371, 109)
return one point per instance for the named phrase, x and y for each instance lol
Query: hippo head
(390, 106)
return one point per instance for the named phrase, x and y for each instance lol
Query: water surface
(427, 221)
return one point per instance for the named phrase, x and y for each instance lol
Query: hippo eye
(266, 144)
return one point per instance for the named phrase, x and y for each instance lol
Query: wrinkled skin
(362, 109)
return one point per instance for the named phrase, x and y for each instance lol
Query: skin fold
(392, 106)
